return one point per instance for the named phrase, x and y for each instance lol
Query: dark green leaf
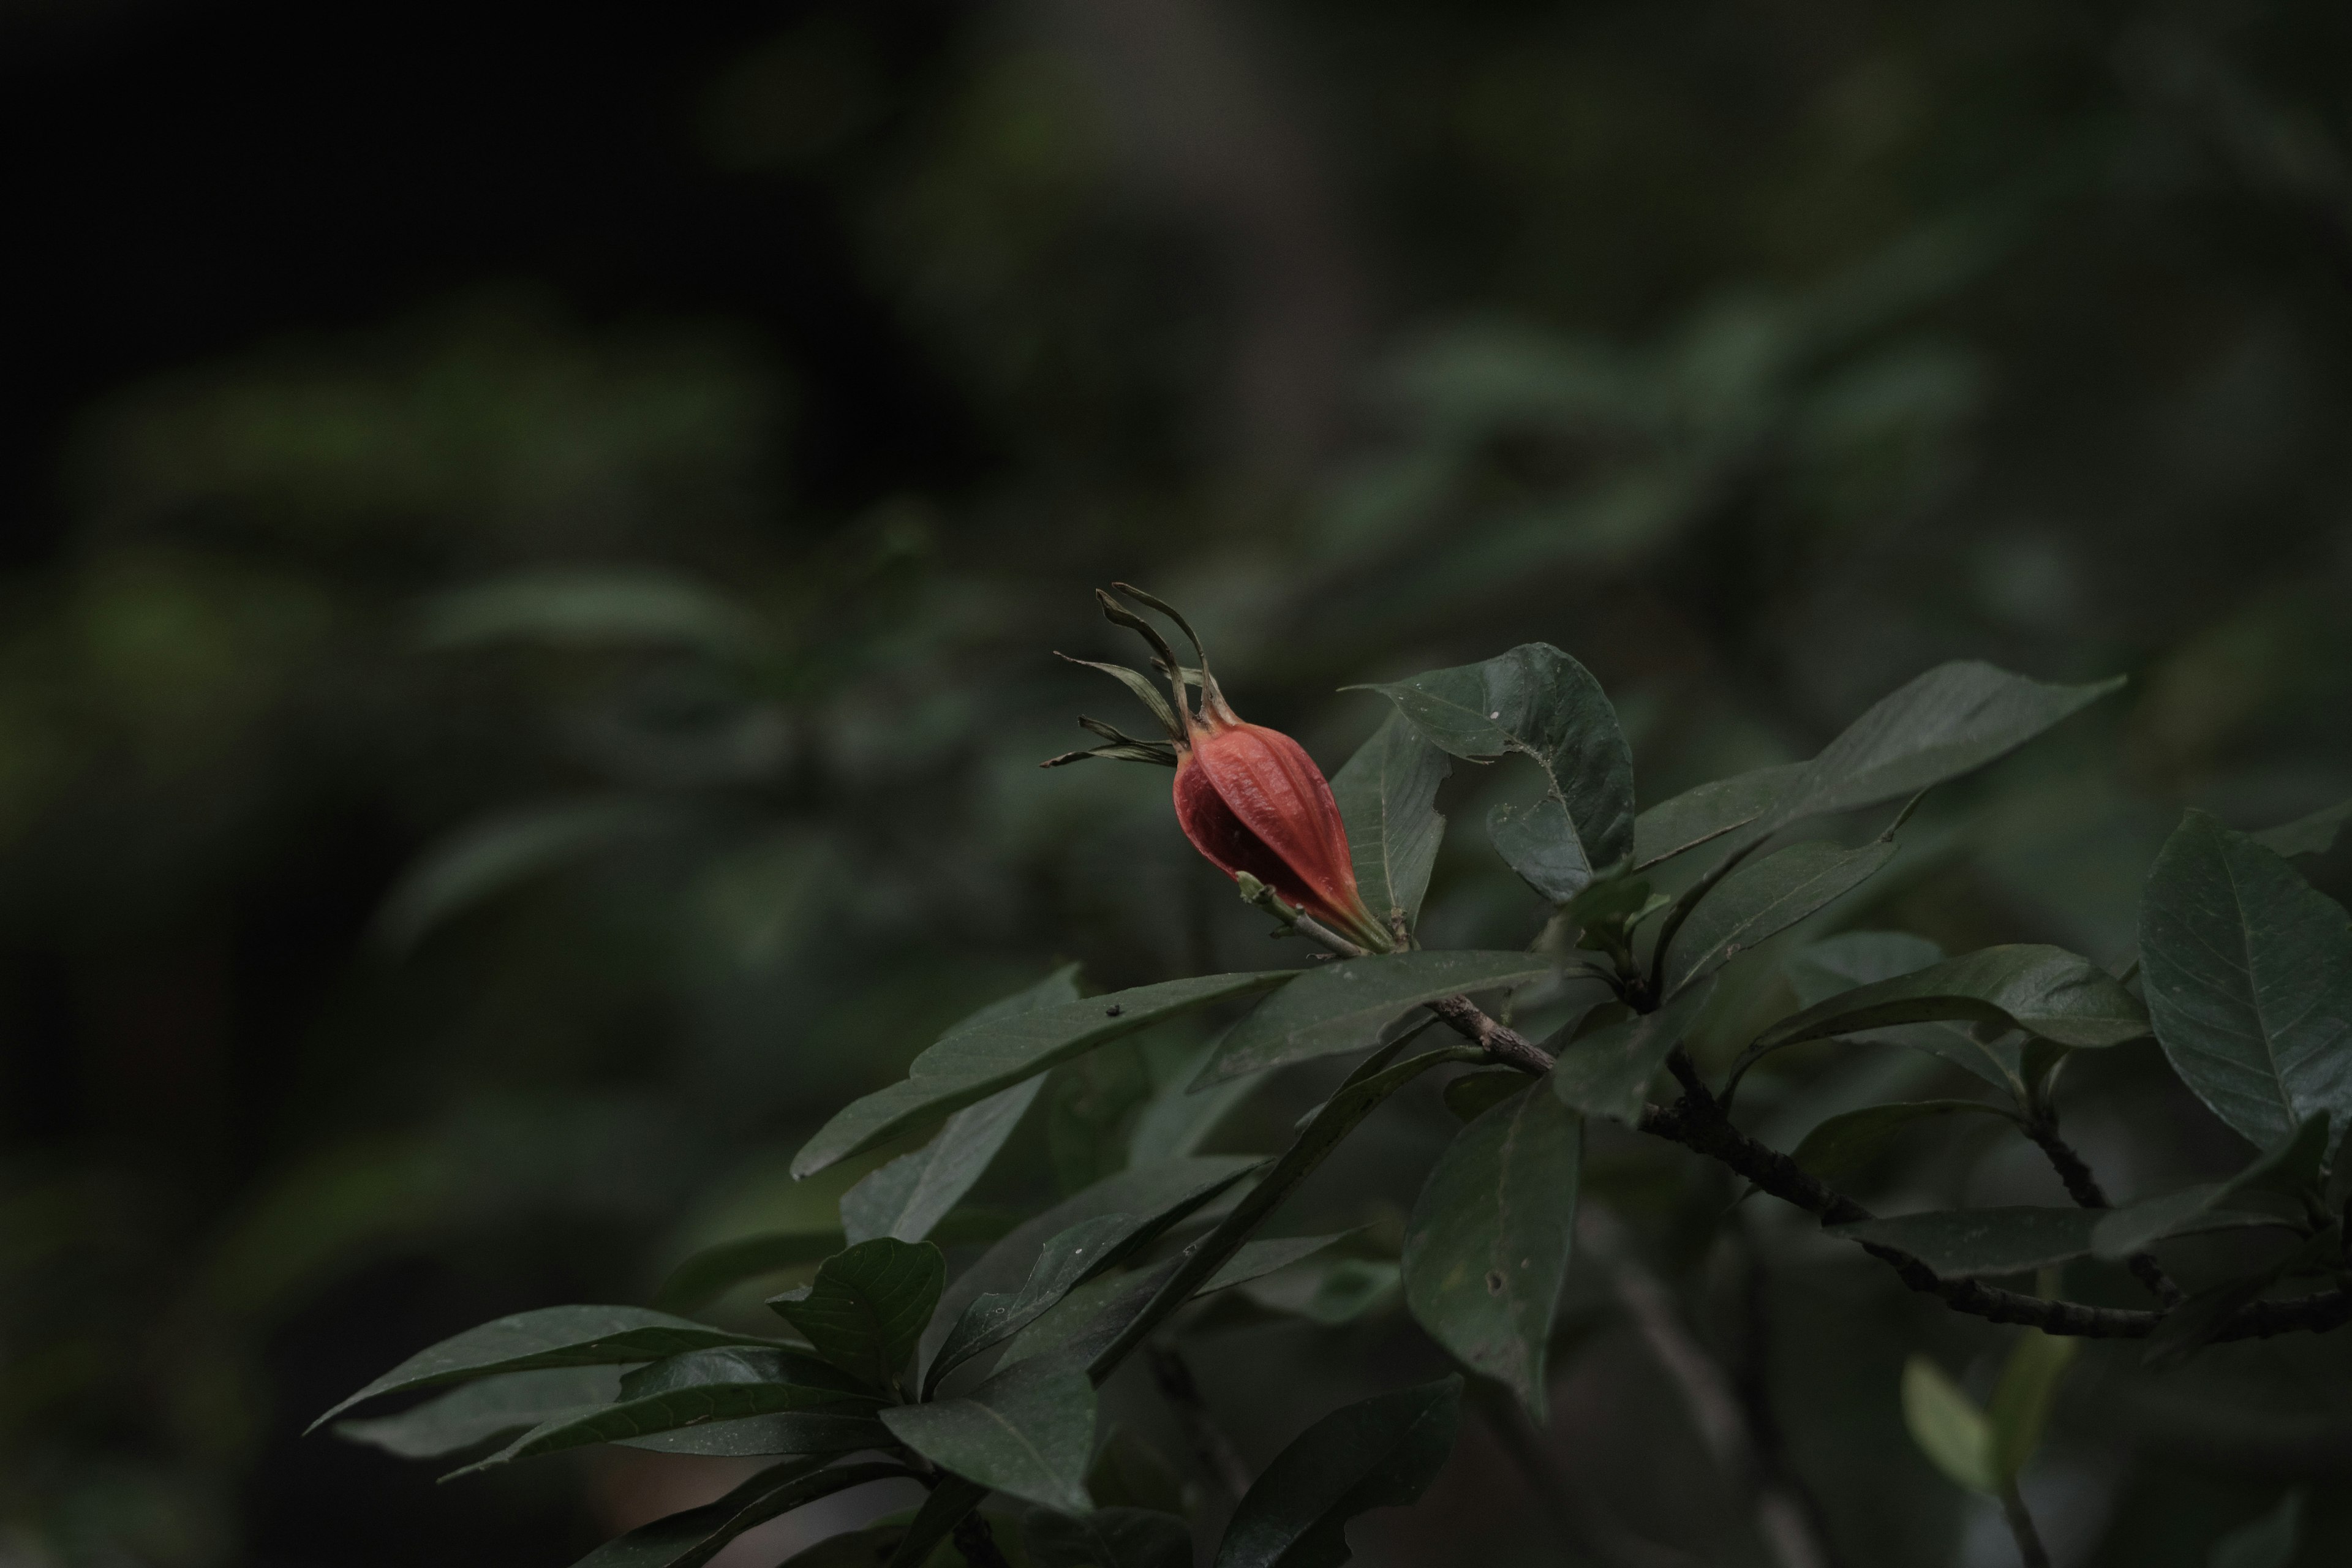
(752, 1436)
(713, 1271)
(2292, 1162)
(476, 1412)
(1539, 843)
(1764, 898)
(1839, 963)
(486, 859)
(1537, 702)
(1382, 1452)
(2312, 835)
(2191, 1326)
(575, 607)
(867, 1306)
(551, 1336)
(1470, 1096)
(1947, 1426)
(1108, 1538)
(1343, 1006)
(1336, 1292)
(1028, 1431)
(2020, 1411)
(1699, 815)
(2270, 1541)
(1487, 1249)
(1066, 1261)
(1844, 1144)
(1180, 1118)
(1949, 721)
(1608, 1073)
(2248, 977)
(1258, 1258)
(979, 1058)
(948, 1506)
(1388, 799)
(693, 1538)
(1962, 1243)
(1092, 1107)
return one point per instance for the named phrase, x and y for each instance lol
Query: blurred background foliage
(535, 542)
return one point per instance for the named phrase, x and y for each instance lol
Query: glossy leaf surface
(906, 1198)
(476, 1412)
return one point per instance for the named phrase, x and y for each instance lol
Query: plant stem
(2029, 1549)
(2084, 1189)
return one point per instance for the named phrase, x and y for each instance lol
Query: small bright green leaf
(1947, 1426)
(1949, 721)
(1108, 1538)
(1387, 794)
(690, 1539)
(1540, 703)
(2312, 835)
(1700, 815)
(867, 1306)
(1487, 1250)
(2249, 976)
(551, 1336)
(476, 1412)
(1608, 1073)
(979, 1058)
(1764, 898)
(1380, 1452)
(1028, 1431)
(1343, 1006)
(2020, 1411)
(1962, 1243)
(2270, 1541)
(2292, 1161)
(1842, 1145)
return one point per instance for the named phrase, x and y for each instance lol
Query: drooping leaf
(1343, 1006)
(476, 1412)
(2292, 1161)
(1844, 1144)
(1947, 1426)
(686, 1391)
(1387, 794)
(2270, 1541)
(1066, 1261)
(1764, 898)
(1028, 1431)
(1608, 1073)
(867, 1306)
(1700, 816)
(1540, 703)
(1380, 1452)
(2191, 1325)
(551, 1336)
(1108, 1538)
(977, 1060)
(2021, 1400)
(690, 1539)
(2312, 835)
(1949, 721)
(1962, 1243)
(2043, 991)
(1487, 1250)
(2248, 977)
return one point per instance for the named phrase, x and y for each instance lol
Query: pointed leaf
(1947, 1426)
(2249, 978)
(1839, 963)
(906, 1197)
(1388, 800)
(1608, 1073)
(1066, 1261)
(1343, 1006)
(690, 1539)
(867, 1306)
(2292, 1161)
(950, 1502)
(475, 1413)
(2270, 1541)
(1962, 1243)
(1700, 815)
(1764, 898)
(715, 1271)
(1382, 1452)
(1027, 1431)
(1264, 1256)
(829, 1431)
(979, 1058)
(1842, 1145)
(1487, 1250)
(2312, 835)
(1108, 1538)
(1336, 1292)
(551, 1336)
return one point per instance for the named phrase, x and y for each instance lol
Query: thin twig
(2084, 1189)
(2030, 1549)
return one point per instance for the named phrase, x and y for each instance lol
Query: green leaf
(592, 608)
(1066, 1261)
(2191, 1325)
(1487, 1250)
(1180, 1118)
(2270, 1541)
(2248, 977)
(1343, 1006)
(1128, 1472)
(1764, 898)
(1842, 1145)
(2292, 1161)
(715, 1271)
(2312, 835)
(475, 1413)
(2044, 991)
(1388, 800)
(752, 1436)
(1470, 1096)
(1258, 1258)
(486, 857)
(1108, 1538)
(1962, 1243)
(866, 1308)
(1949, 1427)
(690, 1539)
(1540, 703)
(1028, 1431)
(977, 1060)
(1380, 1452)
(1700, 815)
(1341, 1291)
(1092, 1105)
(948, 1506)
(2020, 1411)
(1839, 963)
(551, 1336)
(1608, 1072)
(686, 1391)
(1539, 843)
(1949, 721)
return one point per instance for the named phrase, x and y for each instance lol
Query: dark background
(373, 961)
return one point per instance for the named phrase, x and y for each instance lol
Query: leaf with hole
(1380, 1452)
(1343, 1006)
